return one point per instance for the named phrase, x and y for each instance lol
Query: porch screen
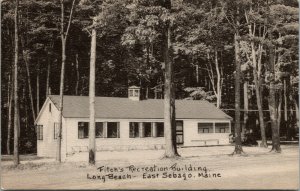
(83, 130)
(160, 129)
(205, 128)
(113, 130)
(39, 132)
(133, 129)
(222, 127)
(99, 130)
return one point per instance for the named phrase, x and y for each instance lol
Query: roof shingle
(124, 108)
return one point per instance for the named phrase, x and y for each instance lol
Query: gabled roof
(124, 108)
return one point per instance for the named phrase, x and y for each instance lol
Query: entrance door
(179, 132)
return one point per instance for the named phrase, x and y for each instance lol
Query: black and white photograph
(149, 94)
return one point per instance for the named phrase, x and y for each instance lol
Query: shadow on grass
(28, 157)
(28, 166)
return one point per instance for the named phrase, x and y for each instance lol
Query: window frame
(131, 93)
(151, 129)
(39, 132)
(201, 130)
(205, 129)
(55, 130)
(103, 131)
(118, 129)
(222, 127)
(84, 137)
(163, 127)
(134, 132)
(136, 93)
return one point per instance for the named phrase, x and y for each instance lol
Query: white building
(127, 123)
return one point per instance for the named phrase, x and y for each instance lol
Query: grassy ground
(258, 169)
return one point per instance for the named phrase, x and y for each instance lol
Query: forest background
(130, 52)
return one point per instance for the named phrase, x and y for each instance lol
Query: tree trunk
(9, 102)
(92, 141)
(279, 109)
(26, 109)
(216, 85)
(77, 75)
(258, 99)
(61, 89)
(48, 75)
(237, 126)
(219, 101)
(63, 36)
(297, 112)
(285, 101)
(246, 105)
(38, 88)
(19, 124)
(272, 104)
(286, 108)
(257, 81)
(16, 98)
(29, 82)
(169, 100)
(147, 92)
(197, 74)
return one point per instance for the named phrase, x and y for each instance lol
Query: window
(205, 128)
(49, 107)
(179, 132)
(133, 129)
(131, 93)
(113, 130)
(179, 126)
(160, 129)
(99, 129)
(39, 132)
(222, 127)
(56, 126)
(147, 129)
(83, 130)
(136, 93)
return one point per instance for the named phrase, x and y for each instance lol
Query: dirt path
(258, 170)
